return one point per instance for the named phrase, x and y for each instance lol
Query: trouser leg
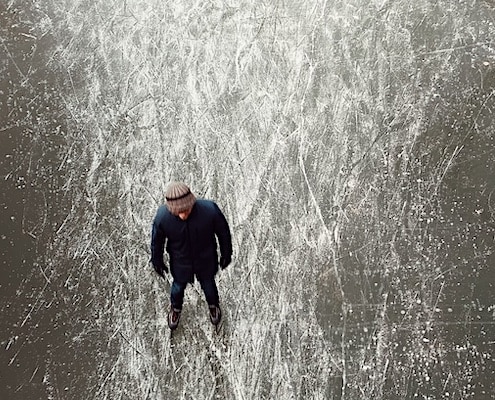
(210, 290)
(177, 294)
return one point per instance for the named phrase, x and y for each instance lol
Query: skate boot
(215, 314)
(173, 318)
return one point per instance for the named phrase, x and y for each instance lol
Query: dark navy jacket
(191, 244)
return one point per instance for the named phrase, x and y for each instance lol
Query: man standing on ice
(188, 228)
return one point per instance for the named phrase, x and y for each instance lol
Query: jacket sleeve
(222, 231)
(157, 243)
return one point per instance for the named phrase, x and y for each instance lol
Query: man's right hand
(225, 261)
(160, 269)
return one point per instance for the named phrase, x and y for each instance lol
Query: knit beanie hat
(179, 197)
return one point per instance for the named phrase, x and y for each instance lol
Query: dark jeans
(209, 288)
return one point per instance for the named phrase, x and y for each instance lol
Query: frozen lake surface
(351, 146)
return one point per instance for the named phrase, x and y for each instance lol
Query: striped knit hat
(179, 197)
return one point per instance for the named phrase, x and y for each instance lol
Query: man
(188, 228)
